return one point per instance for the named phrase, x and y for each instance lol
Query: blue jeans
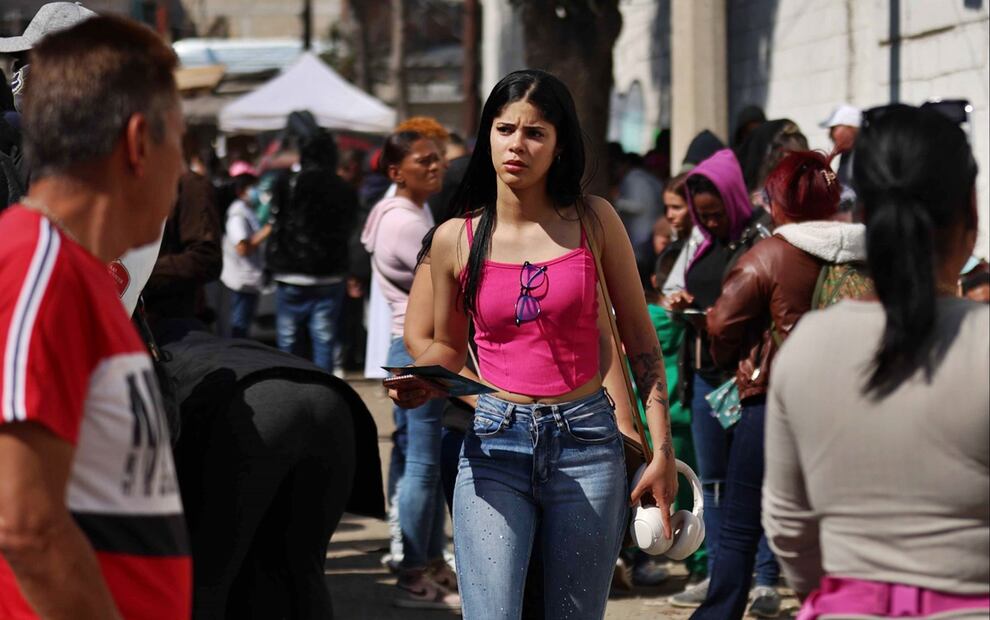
(450, 456)
(316, 308)
(712, 445)
(422, 510)
(242, 308)
(559, 467)
(741, 532)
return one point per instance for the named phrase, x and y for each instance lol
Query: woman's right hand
(411, 392)
(679, 300)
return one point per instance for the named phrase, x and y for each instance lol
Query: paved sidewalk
(363, 590)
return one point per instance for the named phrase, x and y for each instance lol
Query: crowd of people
(809, 332)
(731, 253)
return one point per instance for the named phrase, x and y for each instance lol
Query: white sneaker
(693, 596)
(390, 562)
(765, 602)
(418, 591)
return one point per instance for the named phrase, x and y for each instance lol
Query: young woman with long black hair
(876, 443)
(545, 448)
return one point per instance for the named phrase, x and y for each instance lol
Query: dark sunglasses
(531, 278)
(956, 110)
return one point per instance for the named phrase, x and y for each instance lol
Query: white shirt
(241, 273)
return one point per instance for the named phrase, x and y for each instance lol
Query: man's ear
(136, 137)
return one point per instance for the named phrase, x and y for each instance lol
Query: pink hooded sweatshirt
(723, 170)
(393, 234)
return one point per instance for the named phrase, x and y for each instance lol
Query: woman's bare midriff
(587, 389)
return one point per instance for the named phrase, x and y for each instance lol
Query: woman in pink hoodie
(393, 235)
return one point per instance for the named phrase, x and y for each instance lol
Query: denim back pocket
(592, 424)
(488, 422)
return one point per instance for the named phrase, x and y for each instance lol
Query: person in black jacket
(189, 259)
(313, 217)
(273, 451)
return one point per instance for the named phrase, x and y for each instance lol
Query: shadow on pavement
(361, 588)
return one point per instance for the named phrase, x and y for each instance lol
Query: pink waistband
(839, 595)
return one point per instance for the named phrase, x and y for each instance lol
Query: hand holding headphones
(688, 527)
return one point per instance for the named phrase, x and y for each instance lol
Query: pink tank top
(556, 352)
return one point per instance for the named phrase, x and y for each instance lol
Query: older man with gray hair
(91, 522)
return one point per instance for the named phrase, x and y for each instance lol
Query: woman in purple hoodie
(722, 212)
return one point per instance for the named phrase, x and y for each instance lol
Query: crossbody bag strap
(621, 357)
(474, 357)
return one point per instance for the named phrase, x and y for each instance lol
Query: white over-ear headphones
(688, 527)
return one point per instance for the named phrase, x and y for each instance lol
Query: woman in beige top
(877, 487)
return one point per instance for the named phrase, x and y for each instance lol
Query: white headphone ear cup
(689, 537)
(647, 530)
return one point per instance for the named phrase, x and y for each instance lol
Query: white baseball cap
(844, 114)
(50, 18)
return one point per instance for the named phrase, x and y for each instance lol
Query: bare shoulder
(604, 223)
(450, 244)
(448, 235)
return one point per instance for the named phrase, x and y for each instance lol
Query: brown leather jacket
(773, 281)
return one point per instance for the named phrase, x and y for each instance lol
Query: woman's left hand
(659, 480)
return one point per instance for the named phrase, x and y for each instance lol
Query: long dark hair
(914, 172)
(477, 191)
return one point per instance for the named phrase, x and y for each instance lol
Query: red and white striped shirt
(72, 361)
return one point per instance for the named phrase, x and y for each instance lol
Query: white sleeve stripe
(22, 323)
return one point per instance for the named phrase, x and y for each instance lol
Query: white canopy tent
(311, 85)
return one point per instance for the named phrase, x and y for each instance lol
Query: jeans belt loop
(558, 420)
(608, 397)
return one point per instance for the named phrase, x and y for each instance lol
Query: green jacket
(670, 333)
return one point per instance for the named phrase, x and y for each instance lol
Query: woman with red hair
(763, 296)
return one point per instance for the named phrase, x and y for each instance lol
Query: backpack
(837, 281)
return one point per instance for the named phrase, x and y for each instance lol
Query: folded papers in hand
(451, 383)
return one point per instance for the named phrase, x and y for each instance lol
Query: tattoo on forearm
(667, 449)
(649, 372)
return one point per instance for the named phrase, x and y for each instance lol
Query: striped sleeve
(46, 344)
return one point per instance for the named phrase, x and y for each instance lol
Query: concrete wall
(641, 71)
(799, 59)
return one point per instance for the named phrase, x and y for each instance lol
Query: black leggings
(264, 484)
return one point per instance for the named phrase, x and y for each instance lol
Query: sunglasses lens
(532, 277)
(527, 308)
